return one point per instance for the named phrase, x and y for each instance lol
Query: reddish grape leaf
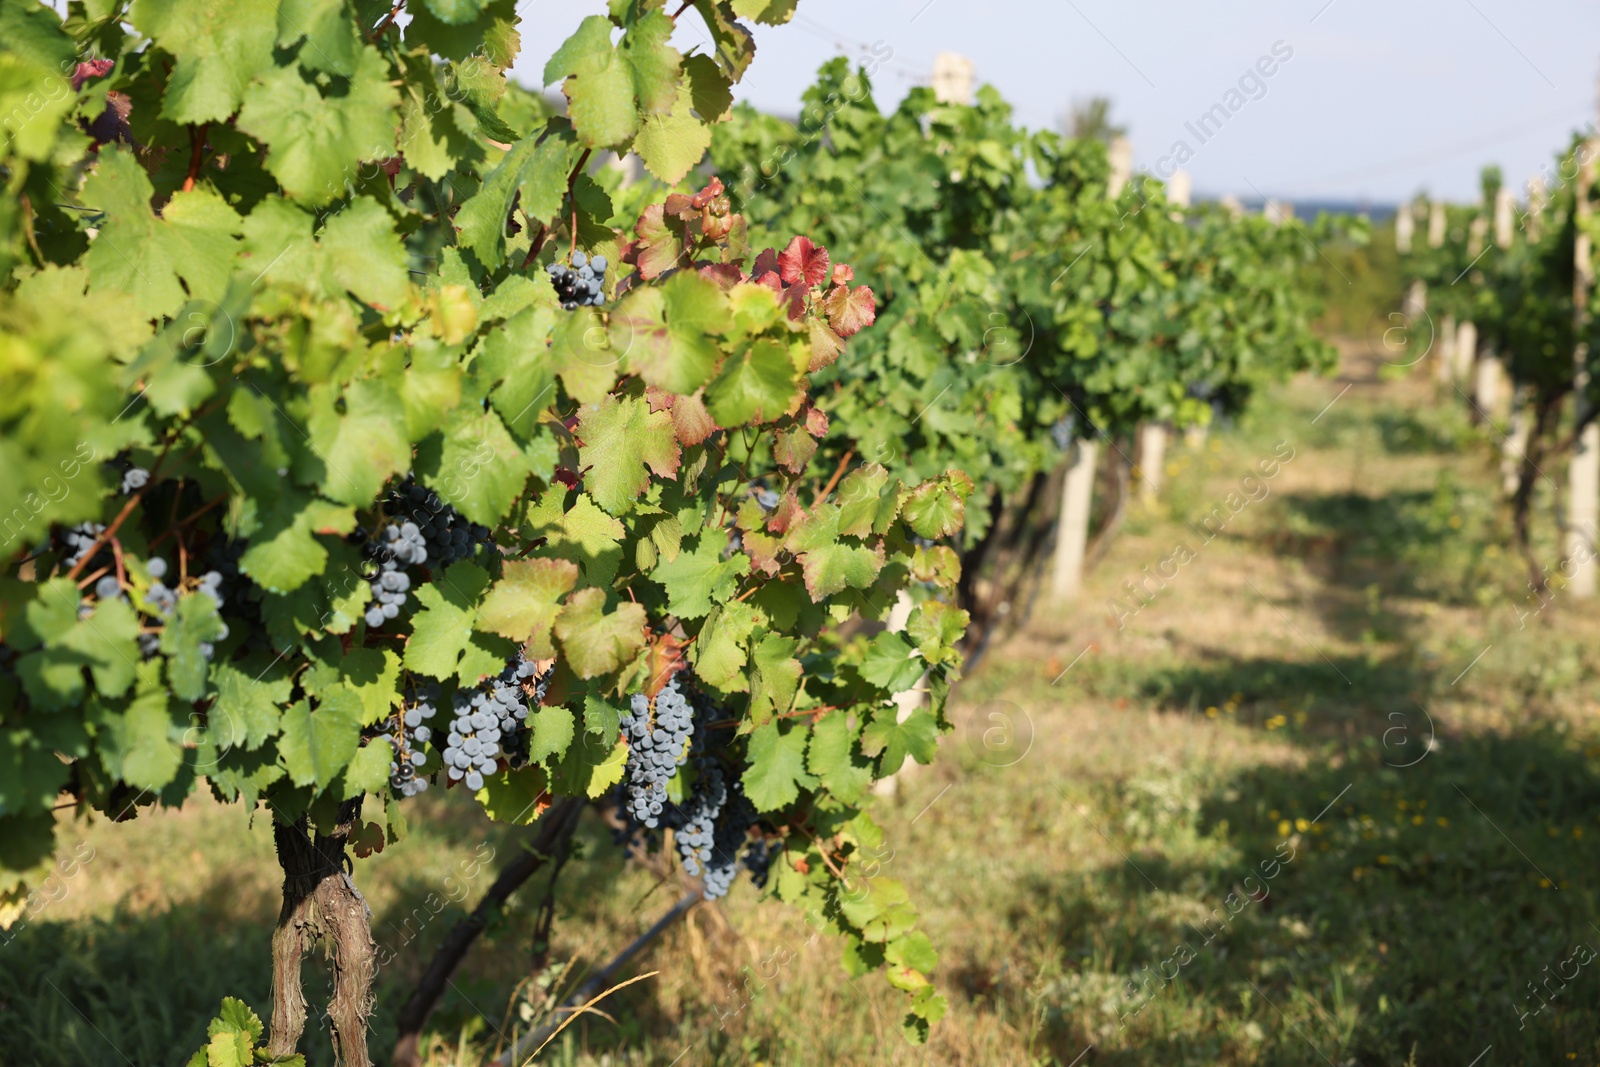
(803, 261)
(850, 310)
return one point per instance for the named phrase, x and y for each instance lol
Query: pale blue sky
(1379, 99)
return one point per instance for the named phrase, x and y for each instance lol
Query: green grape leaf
(672, 144)
(553, 730)
(492, 30)
(770, 12)
(194, 623)
(937, 508)
(832, 758)
(220, 46)
(891, 741)
(860, 498)
(719, 653)
(583, 534)
(474, 465)
(699, 579)
(35, 100)
(328, 29)
(623, 442)
(317, 745)
(914, 950)
(525, 600)
(441, 631)
(364, 255)
(363, 445)
(774, 677)
(284, 553)
(580, 775)
(709, 89)
(513, 796)
(454, 12)
(667, 331)
(142, 750)
(594, 642)
(891, 664)
(249, 695)
(777, 769)
(316, 144)
(597, 84)
(534, 167)
(31, 776)
(368, 772)
(142, 255)
(754, 387)
(883, 912)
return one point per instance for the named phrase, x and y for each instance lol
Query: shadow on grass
(140, 988)
(1413, 914)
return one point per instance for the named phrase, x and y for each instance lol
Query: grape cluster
(446, 534)
(423, 529)
(655, 750)
(712, 825)
(406, 730)
(582, 284)
(732, 833)
(489, 721)
(1063, 430)
(80, 539)
(134, 479)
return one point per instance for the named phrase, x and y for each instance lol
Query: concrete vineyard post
(1466, 349)
(1152, 459)
(1503, 217)
(1486, 386)
(907, 700)
(1404, 228)
(1436, 224)
(1445, 341)
(1121, 157)
(1515, 445)
(952, 78)
(1072, 538)
(1583, 495)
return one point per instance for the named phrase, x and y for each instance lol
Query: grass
(1329, 797)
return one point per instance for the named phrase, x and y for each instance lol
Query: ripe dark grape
(489, 722)
(407, 729)
(1062, 432)
(655, 750)
(80, 539)
(712, 824)
(423, 529)
(134, 479)
(582, 284)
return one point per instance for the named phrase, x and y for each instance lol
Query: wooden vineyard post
(1583, 495)
(1152, 460)
(1072, 536)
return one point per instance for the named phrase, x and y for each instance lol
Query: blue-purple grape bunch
(657, 739)
(406, 730)
(582, 284)
(711, 826)
(422, 529)
(79, 539)
(490, 719)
